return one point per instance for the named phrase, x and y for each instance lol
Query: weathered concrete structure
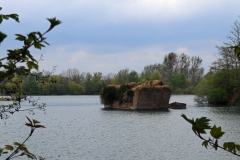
(148, 95)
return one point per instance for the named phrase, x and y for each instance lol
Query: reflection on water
(78, 128)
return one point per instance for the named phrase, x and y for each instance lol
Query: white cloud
(120, 10)
(87, 60)
(104, 57)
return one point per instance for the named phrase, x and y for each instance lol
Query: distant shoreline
(6, 99)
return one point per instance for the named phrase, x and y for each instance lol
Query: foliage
(221, 84)
(178, 81)
(217, 95)
(202, 87)
(13, 89)
(108, 95)
(175, 64)
(22, 56)
(189, 89)
(18, 64)
(201, 125)
(76, 89)
(121, 91)
(133, 76)
(215, 87)
(122, 76)
(169, 62)
(20, 149)
(155, 76)
(92, 83)
(142, 80)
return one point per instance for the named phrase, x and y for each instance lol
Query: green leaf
(31, 65)
(24, 148)
(216, 132)
(230, 146)
(2, 36)
(38, 45)
(31, 37)
(1, 150)
(54, 22)
(16, 144)
(9, 147)
(14, 16)
(187, 119)
(20, 37)
(200, 125)
(205, 143)
(237, 147)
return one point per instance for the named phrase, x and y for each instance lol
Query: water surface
(78, 128)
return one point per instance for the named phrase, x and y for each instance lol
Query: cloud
(119, 11)
(87, 59)
(109, 35)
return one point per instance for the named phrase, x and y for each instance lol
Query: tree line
(181, 72)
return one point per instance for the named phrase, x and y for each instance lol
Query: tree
(195, 72)
(76, 89)
(55, 86)
(88, 84)
(17, 64)
(97, 83)
(122, 76)
(155, 76)
(183, 64)
(174, 64)
(218, 95)
(220, 83)
(133, 76)
(44, 87)
(201, 91)
(107, 79)
(73, 74)
(224, 71)
(178, 81)
(169, 63)
(150, 69)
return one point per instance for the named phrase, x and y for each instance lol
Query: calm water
(78, 129)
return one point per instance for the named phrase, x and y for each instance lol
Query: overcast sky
(109, 35)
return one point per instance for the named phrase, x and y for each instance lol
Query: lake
(77, 128)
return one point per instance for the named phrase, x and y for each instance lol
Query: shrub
(217, 96)
(189, 90)
(108, 95)
(121, 91)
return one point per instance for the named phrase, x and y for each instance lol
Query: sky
(109, 35)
